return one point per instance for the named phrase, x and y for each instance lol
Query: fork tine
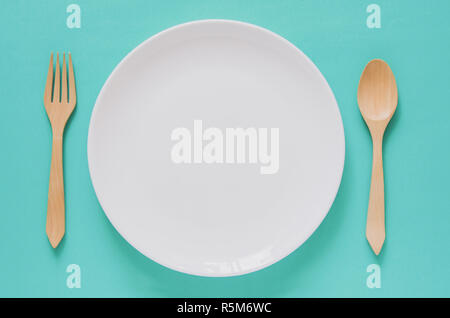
(48, 84)
(56, 86)
(64, 81)
(72, 91)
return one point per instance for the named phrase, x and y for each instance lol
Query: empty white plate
(234, 200)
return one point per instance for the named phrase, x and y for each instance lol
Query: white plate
(216, 219)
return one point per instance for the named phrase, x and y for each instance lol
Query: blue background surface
(413, 39)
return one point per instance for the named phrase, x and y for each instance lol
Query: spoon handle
(375, 231)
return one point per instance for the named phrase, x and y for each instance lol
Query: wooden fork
(58, 110)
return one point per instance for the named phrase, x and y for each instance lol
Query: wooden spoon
(377, 99)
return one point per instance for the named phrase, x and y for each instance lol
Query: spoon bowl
(377, 91)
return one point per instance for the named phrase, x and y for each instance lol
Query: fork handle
(55, 206)
(375, 229)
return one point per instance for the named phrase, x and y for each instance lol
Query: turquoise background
(413, 39)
